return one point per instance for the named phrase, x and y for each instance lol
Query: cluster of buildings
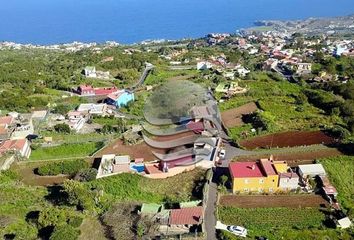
(111, 95)
(67, 47)
(269, 176)
(15, 130)
(221, 66)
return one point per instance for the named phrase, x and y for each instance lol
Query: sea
(130, 21)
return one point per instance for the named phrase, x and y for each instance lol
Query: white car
(237, 230)
(222, 154)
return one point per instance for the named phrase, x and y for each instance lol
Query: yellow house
(259, 176)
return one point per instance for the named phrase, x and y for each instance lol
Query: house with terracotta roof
(265, 175)
(5, 127)
(120, 98)
(185, 220)
(20, 146)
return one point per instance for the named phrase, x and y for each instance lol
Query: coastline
(339, 24)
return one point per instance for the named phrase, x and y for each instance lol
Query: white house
(242, 72)
(204, 65)
(91, 108)
(288, 181)
(90, 72)
(311, 170)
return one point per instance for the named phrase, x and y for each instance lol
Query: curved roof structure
(175, 156)
(172, 102)
(171, 143)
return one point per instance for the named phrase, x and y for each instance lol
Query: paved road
(210, 214)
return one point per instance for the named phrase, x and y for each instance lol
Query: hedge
(63, 167)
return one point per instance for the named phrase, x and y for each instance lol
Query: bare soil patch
(141, 150)
(28, 176)
(288, 139)
(296, 158)
(233, 117)
(268, 201)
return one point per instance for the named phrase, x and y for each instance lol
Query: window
(261, 181)
(260, 190)
(245, 189)
(247, 181)
(270, 189)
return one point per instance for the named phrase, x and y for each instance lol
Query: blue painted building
(120, 98)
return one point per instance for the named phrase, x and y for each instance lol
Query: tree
(79, 195)
(223, 180)
(62, 128)
(107, 129)
(52, 217)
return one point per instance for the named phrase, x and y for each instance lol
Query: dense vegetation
(63, 167)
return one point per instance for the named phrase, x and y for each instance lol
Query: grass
(133, 187)
(274, 223)
(91, 228)
(66, 151)
(341, 174)
(74, 138)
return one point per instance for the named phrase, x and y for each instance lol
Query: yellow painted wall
(255, 184)
(281, 167)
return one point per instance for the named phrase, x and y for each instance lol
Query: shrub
(62, 128)
(66, 232)
(75, 221)
(86, 175)
(63, 167)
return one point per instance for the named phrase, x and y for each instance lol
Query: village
(241, 119)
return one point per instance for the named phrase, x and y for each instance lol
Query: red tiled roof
(85, 87)
(245, 169)
(114, 96)
(7, 120)
(190, 216)
(330, 190)
(12, 144)
(268, 167)
(3, 130)
(195, 125)
(105, 91)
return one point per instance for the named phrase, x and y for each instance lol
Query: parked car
(222, 154)
(237, 230)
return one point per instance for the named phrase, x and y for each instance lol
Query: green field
(74, 138)
(65, 151)
(279, 105)
(133, 187)
(279, 223)
(341, 174)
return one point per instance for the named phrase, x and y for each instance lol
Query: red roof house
(105, 91)
(6, 121)
(85, 90)
(245, 169)
(20, 145)
(186, 216)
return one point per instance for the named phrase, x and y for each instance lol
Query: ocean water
(130, 21)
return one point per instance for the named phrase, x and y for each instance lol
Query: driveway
(210, 211)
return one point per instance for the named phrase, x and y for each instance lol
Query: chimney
(253, 167)
(271, 158)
